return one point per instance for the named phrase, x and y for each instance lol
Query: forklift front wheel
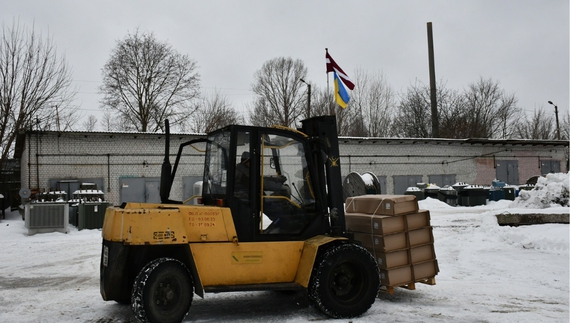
(162, 292)
(345, 281)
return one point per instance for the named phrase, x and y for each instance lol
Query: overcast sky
(523, 44)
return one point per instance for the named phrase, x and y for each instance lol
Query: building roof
(342, 139)
(442, 141)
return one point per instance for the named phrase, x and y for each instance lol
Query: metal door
(549, 166)
(402, 182)
(508, 171)
(382, 180)
(152, 191)
(139, 189)
(442, 180)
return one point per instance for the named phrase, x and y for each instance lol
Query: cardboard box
(388, 260)
(420, 237)
(426, 269)
(375, 224)
(408, 274)
(417, 220)
(396, 276)
(382, 204)
(403, 257)
(422, 253)
(385, 243)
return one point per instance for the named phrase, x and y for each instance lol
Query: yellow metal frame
(191, 198)
(149, 224)
(257, 262)
(209, 232)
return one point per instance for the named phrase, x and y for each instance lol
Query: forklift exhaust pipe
(166, 171)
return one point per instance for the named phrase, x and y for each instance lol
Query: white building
(126, 166)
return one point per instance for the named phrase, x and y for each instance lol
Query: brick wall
(98, 155)
(50, 155)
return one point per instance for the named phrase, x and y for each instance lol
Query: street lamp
(308, 98)
(557, 124)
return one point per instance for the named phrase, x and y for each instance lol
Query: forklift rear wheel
(345, 281)
(162, 292)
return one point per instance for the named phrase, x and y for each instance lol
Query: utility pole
(557, 124)
(57, 116)
(433, 90)
(308, 98)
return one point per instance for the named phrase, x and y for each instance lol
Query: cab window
(287, 201)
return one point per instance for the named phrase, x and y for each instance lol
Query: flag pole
(328, 87)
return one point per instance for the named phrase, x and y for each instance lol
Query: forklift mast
(323, 140)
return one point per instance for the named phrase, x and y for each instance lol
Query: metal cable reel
(355, 184)
(25, 192)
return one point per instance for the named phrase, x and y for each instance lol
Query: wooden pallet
(410, 286)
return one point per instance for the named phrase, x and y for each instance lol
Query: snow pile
(548, 237)
(549, 190)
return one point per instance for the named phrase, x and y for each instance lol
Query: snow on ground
(488, 273)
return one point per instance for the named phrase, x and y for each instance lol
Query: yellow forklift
(271, 218)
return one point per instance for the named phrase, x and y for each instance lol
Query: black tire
(162, 292)
(345, 281)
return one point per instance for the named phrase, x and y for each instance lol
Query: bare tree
(413, 118)
(349, 120)
(90, 123)
(490, 112)
(374, 100)
(280, 93)
(67, 119)
(539, 126)
(34, 85)
(111, 122)
(414, 113)
(483, 110)
(214, 112)
(146, 81)
(451, 113)
(107, 123)
(319, 101)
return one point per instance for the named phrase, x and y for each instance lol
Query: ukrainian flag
(340, 94)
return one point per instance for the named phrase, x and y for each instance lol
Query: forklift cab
(264, 176)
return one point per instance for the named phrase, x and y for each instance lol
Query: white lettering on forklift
(203, 218)
(199, 213)
(105, 256)
(202, 222)
(247, 257)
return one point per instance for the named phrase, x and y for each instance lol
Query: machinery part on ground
(355, 184)
(532, 180)
(162, 292)
(345, 281)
